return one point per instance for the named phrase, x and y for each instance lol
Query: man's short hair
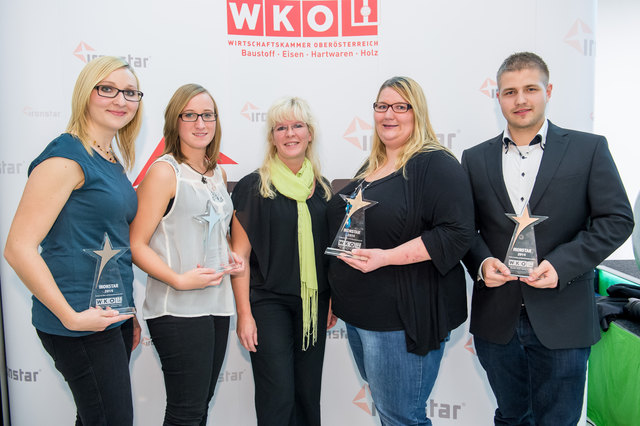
(523, 60)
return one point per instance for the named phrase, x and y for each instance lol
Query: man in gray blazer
(533, 334)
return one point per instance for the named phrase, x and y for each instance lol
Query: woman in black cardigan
(401, 298)
(280, 229)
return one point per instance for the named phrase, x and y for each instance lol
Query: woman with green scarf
(280, 229)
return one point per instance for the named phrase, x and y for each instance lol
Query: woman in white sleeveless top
(179, 237)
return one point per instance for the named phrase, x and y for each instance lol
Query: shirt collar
(506, 136)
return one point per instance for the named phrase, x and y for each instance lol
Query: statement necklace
(107, 152)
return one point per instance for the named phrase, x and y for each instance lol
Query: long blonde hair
(289, 108)
(93, 73)
(178, 101)
(422, 138)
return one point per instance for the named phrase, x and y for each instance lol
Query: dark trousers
(287, 379)
(96, 368)
(191, 351)
(534, 385)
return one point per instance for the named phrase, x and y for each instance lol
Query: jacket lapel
(554, 150)
(493, 158)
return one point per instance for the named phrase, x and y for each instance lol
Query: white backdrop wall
(246, 56)
(616, 91)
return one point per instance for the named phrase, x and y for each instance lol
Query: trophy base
(332, 251)
(520, 267)
(227, 268)
(520, 274)
(126, 311)
(121, 309)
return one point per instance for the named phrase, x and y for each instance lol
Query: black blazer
(578, 187)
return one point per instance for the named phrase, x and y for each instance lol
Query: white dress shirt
(520, 166)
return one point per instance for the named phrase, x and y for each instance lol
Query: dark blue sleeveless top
(106, 203)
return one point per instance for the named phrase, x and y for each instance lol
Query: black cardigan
(430, 295)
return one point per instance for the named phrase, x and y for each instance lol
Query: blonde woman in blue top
(76, 192)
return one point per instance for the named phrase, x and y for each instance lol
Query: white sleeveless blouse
(179, 240)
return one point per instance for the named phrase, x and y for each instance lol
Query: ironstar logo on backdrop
(337, 333)
(20, 375)
(231, 376)
(581, 38)
(86, 53)
(433, 409)
(296, 29)
(446, 139)
(443, 410)
(12, 168)
(359, 134)
(253, 113)
(40, 113)
(489, 88)
(364, 401)
(469, 346)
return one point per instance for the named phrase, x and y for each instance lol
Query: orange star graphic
(357, 203)
(524, 220)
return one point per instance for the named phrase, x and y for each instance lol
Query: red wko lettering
(302, 18)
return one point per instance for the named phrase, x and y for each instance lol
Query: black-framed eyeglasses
(111, 92)
(398, 107)
(190, 117)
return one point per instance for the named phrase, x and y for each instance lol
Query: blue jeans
(96, 368)
(534, 385)
(191, 351)
(400, 381)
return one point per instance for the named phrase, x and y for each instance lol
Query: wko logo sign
(302, 18)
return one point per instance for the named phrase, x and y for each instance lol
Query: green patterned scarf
(298, 187)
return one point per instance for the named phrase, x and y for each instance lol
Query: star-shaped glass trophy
(216, 251)
(108, 288)
(522, 255)
(351, 233)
